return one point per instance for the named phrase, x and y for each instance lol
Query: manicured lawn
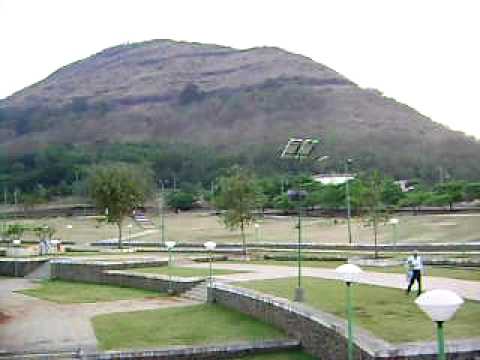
(184, 271)
(198, 324)
(386, 312)
(472, 274)
(64, 292)
(286, 355)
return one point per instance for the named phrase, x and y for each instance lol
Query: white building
(333, 179)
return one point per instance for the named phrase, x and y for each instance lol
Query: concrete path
(34, 325)
(466, 289)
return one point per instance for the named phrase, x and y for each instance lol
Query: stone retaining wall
(19, 267)
(225, 247)
(322, 334)
(114, 273)
(215, 352)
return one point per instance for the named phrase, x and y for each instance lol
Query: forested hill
(228, 99)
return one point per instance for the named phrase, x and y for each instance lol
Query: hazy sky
(424, 53)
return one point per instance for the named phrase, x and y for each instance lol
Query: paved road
(34, 325)
(464, 288)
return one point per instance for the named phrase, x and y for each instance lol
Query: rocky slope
(163, 90)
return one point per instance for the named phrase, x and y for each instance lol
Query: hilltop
(162, 90)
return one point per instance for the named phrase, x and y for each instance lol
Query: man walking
(415, 269)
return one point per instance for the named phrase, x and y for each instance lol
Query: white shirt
(415, 263)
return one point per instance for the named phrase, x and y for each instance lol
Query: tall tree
(118, 190)
(239, 196)
(369, 195)
(450, 192)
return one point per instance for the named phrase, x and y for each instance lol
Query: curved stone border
(323, 335)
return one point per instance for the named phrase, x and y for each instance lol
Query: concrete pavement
(34, 325)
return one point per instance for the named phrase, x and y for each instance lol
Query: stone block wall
(212, 352)
(322, 334)
(113, 273)
(19, 267)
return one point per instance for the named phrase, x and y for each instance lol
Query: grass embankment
(388, 313)
(64, 292)
(191, 325)
(184, 271)
(472, 274)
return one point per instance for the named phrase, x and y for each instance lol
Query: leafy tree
(450, 192)
(391, 193)
(14, 231)
(181, 200)
(369, 195)
(415, 199)
(239, 196)
(44, 232)
(332, 196)
(118, 190)
(472, 191)
(282, 202)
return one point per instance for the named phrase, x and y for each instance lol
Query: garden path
(28, 324)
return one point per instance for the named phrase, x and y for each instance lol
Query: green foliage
(415, 199)
(472, 191)
(239, 196)
(369, 196)
(15, 231)
(118, 190)
(44, 232)
(181, 200)
(450, 192)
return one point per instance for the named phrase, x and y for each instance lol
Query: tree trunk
(244, 240)
(120, 245)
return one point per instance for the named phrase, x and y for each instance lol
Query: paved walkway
(34, 325)
(466, 289)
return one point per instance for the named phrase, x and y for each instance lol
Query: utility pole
(347, 196)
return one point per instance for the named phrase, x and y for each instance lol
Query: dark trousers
(416, 275)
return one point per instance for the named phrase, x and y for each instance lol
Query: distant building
(406, 185)
(333, 179)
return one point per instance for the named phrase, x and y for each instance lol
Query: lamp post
(129, 226)
(299, 149)
(297, 196)
(349, 273)
(68, 227)
(347, 197)
(257, 230)
(394, 222)
(170, 245)
(210, 246)
(440, 306)
(161, 204)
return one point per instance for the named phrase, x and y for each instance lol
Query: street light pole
(350, 320)
(347, 196)
(299, 296)
(440, 341)
(170, 245)
(349, 273)
(210, 246)
(440, 306)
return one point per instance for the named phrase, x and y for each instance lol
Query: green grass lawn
(64, 292)
(472, 274)
(386, 312)
(184, 271)
(192, 325)
(286, 355)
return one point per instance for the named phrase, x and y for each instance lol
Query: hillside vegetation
(223, 101)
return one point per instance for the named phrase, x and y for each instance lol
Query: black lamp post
(297, 197)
